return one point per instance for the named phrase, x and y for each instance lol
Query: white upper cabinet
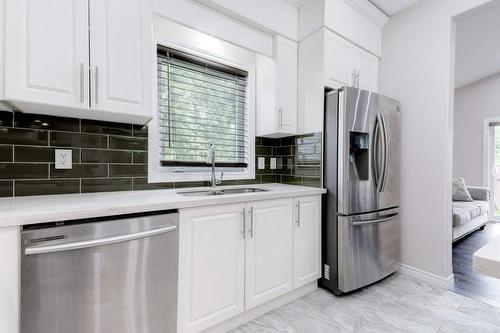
(367, 71)
(286, 85)
(268, 254)
(80, 58)
(46, 52)
(348, 65)
(120, 53)
(277, 90)
(339, 61)
(307, 240)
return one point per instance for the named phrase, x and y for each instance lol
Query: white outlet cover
(64, 158)
(273, 162)
(261, 163)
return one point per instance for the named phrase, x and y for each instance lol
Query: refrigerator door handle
(376, 145)
(384, 219)
(385, 154)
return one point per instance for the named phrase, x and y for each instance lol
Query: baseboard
(427, 277)
(262, 309)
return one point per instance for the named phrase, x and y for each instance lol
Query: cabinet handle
(244, 213)
(96, 85)
(251, 222)
(82, 82)
(357, 78)
(297, 219)
(353, 78)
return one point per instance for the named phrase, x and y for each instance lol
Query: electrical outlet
(261, 163)
(63, 158)
(273, 163)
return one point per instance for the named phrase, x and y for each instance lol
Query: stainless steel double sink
(225, 191)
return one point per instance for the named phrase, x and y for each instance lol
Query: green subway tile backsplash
(44, 187)
(6, 188)
(106, 156)
(113, 157)
(40, 154)
(6, 153)
(20, 136)
(66, 139)
(37, 121)
(106, 185)
(23, 171)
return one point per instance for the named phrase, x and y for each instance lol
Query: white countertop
(486, 260)
(51, 208)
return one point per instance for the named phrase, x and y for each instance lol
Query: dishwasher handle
(96, 242)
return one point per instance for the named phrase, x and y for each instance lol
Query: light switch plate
(273, 163)
(261, 163)
(63, 158)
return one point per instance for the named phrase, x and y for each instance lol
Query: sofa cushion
(459, 190)
(464, 211)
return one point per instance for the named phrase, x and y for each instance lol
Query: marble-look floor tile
(396, 304)
(309, 324)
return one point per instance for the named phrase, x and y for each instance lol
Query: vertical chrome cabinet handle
(297, 219)
(82, 82)
(244, 213)
(357, 78)
(251, 222)
(353, 78)
(96, 85)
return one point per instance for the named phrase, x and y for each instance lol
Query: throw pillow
(459, 190)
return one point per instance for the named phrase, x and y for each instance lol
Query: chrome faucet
(211, 160)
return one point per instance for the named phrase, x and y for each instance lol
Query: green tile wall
(298, 159)
(113, 157)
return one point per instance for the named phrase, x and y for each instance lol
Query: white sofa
(469, 216)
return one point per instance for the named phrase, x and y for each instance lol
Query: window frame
(158, 173)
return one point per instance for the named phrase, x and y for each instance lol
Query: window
(201, 102)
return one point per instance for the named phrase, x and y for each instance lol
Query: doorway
(492, 167)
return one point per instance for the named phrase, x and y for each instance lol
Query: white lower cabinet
(211, 266)
(268, 252)
(307, 240)
(235, 257)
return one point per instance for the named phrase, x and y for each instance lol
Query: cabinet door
(121, 55)
(211, 266)
(268, 255)
(286, 85)
(46, 52)
(367, 65)
(307, 240)
(339, 61)
(266, 96)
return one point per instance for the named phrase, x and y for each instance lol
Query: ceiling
(477, 47)
(296, 3)
(391, 7)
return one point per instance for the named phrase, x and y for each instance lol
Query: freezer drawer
(117, 275)
(368, 248)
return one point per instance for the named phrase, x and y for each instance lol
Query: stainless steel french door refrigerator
(361, 237)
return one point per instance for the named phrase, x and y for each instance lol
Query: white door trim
(486, 162)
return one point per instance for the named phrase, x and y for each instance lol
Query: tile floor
(467, 282)
(396, 304)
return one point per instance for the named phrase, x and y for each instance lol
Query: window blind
(201, 102)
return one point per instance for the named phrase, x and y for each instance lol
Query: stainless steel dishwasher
(101, 275)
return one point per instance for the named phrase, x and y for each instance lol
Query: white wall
(273, 15)
(478, 49)
(417, 68)
(216, 24)
(473, 104)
